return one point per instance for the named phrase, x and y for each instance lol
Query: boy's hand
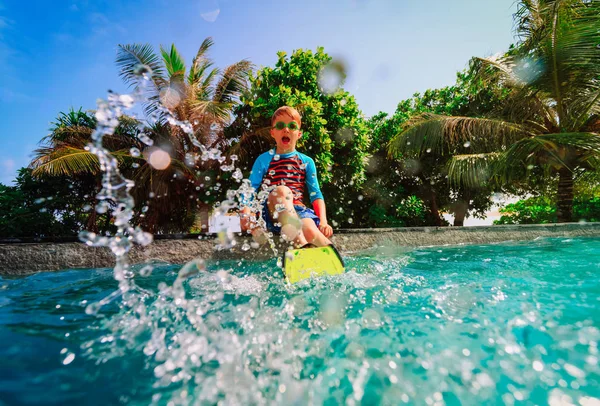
(326, 229)
(245, 222)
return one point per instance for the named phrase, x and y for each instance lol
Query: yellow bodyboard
(303, 263)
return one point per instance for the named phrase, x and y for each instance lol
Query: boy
(287, 172)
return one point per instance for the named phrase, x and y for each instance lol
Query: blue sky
(60, 54)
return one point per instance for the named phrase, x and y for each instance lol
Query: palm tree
(204, 97)
(63, 153)
(550, 118)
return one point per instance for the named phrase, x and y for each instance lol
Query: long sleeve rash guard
(294, 170)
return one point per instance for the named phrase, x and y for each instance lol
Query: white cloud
(101, 26)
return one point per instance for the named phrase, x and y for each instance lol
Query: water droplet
(214, 126)
(126, 101)
(428, 150)
(276, 157)
(134, 152)
(467, 144)
(146, 270)
(331, 77)
(238, 175)
(145, 139)
(143, 238)
(102, 207)
(68, 359)
(142, 70)
(92, 308)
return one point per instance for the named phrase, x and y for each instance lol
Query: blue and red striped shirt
(294, 170)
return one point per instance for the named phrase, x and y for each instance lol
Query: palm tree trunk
(565, 196)
(460, 212)
(435, 211)
(91, 221)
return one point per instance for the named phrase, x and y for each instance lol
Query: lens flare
(159, 159)
(332, 76)
(170, 98)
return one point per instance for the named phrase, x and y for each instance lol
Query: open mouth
(285, 140)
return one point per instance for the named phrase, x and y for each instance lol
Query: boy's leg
(313, 234)
(281, 208)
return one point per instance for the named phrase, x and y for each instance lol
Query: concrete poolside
(23, 257)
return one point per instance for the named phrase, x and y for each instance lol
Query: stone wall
(22, 258)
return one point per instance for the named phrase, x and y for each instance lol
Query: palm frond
(64, 161)
(233, 82)
(201, 63)
(554, 150)
(431, 133)
(129, 59)
(473, 170)
(173, 62)
(76, 135)
(530, 24)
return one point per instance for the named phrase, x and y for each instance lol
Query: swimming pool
(507, 323)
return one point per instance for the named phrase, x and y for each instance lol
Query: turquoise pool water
(514, 323)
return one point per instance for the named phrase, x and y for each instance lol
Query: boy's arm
(316, 197)
(319, 208)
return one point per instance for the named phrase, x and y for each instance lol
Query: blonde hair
(287, 111)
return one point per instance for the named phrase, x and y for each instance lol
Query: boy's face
(285, 137)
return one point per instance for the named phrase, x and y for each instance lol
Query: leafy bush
(542, 210)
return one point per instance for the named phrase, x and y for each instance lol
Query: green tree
(543, 210)
(391, 196)
(549, 120)
(47, 206)
(63, 155)
(428, 166)
(334, 133)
